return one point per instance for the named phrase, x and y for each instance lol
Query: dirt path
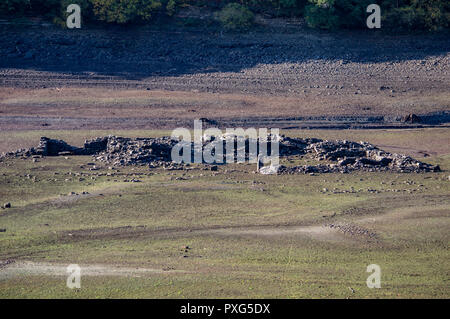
(349, 231)
(397, 215)
(24, 268)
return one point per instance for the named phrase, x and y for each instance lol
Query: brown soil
(301, 80)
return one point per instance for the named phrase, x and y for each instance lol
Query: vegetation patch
(406, 15)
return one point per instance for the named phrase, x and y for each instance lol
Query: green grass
(147, 224)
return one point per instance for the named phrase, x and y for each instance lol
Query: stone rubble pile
(336, 156)
(52, 147)
(138, 151)
(345, 156)
(353, 230)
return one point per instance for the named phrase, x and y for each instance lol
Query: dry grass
(249, 235)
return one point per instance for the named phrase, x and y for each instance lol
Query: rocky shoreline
(298, 80)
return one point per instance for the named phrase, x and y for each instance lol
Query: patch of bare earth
(22, 268)
(105, 108)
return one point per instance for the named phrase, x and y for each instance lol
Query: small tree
(236, 17)
(125, 11)
(322, 14)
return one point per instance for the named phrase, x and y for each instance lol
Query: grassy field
(249, 236)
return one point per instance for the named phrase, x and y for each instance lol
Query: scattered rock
(269, 170)
(353, 230)
(412, 118)
(352, 156)
(4, 263)
(208, 121)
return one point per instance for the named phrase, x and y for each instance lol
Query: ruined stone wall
(337, 155)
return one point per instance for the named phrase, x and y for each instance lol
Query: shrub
(62, 14)
(48, 8)
(329, 14)
(404, 18)
(321, 14)
(277, 7)
(236, 17)
(171, 7)
(408, 15)
(19, 7)
(411, 15)
(352, 13)
(125, 11)
(13, 6)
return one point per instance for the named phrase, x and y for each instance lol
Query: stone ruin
(335, 156)
(345, 156)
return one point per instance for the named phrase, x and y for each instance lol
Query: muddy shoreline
(299, 80)
(440, 119)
